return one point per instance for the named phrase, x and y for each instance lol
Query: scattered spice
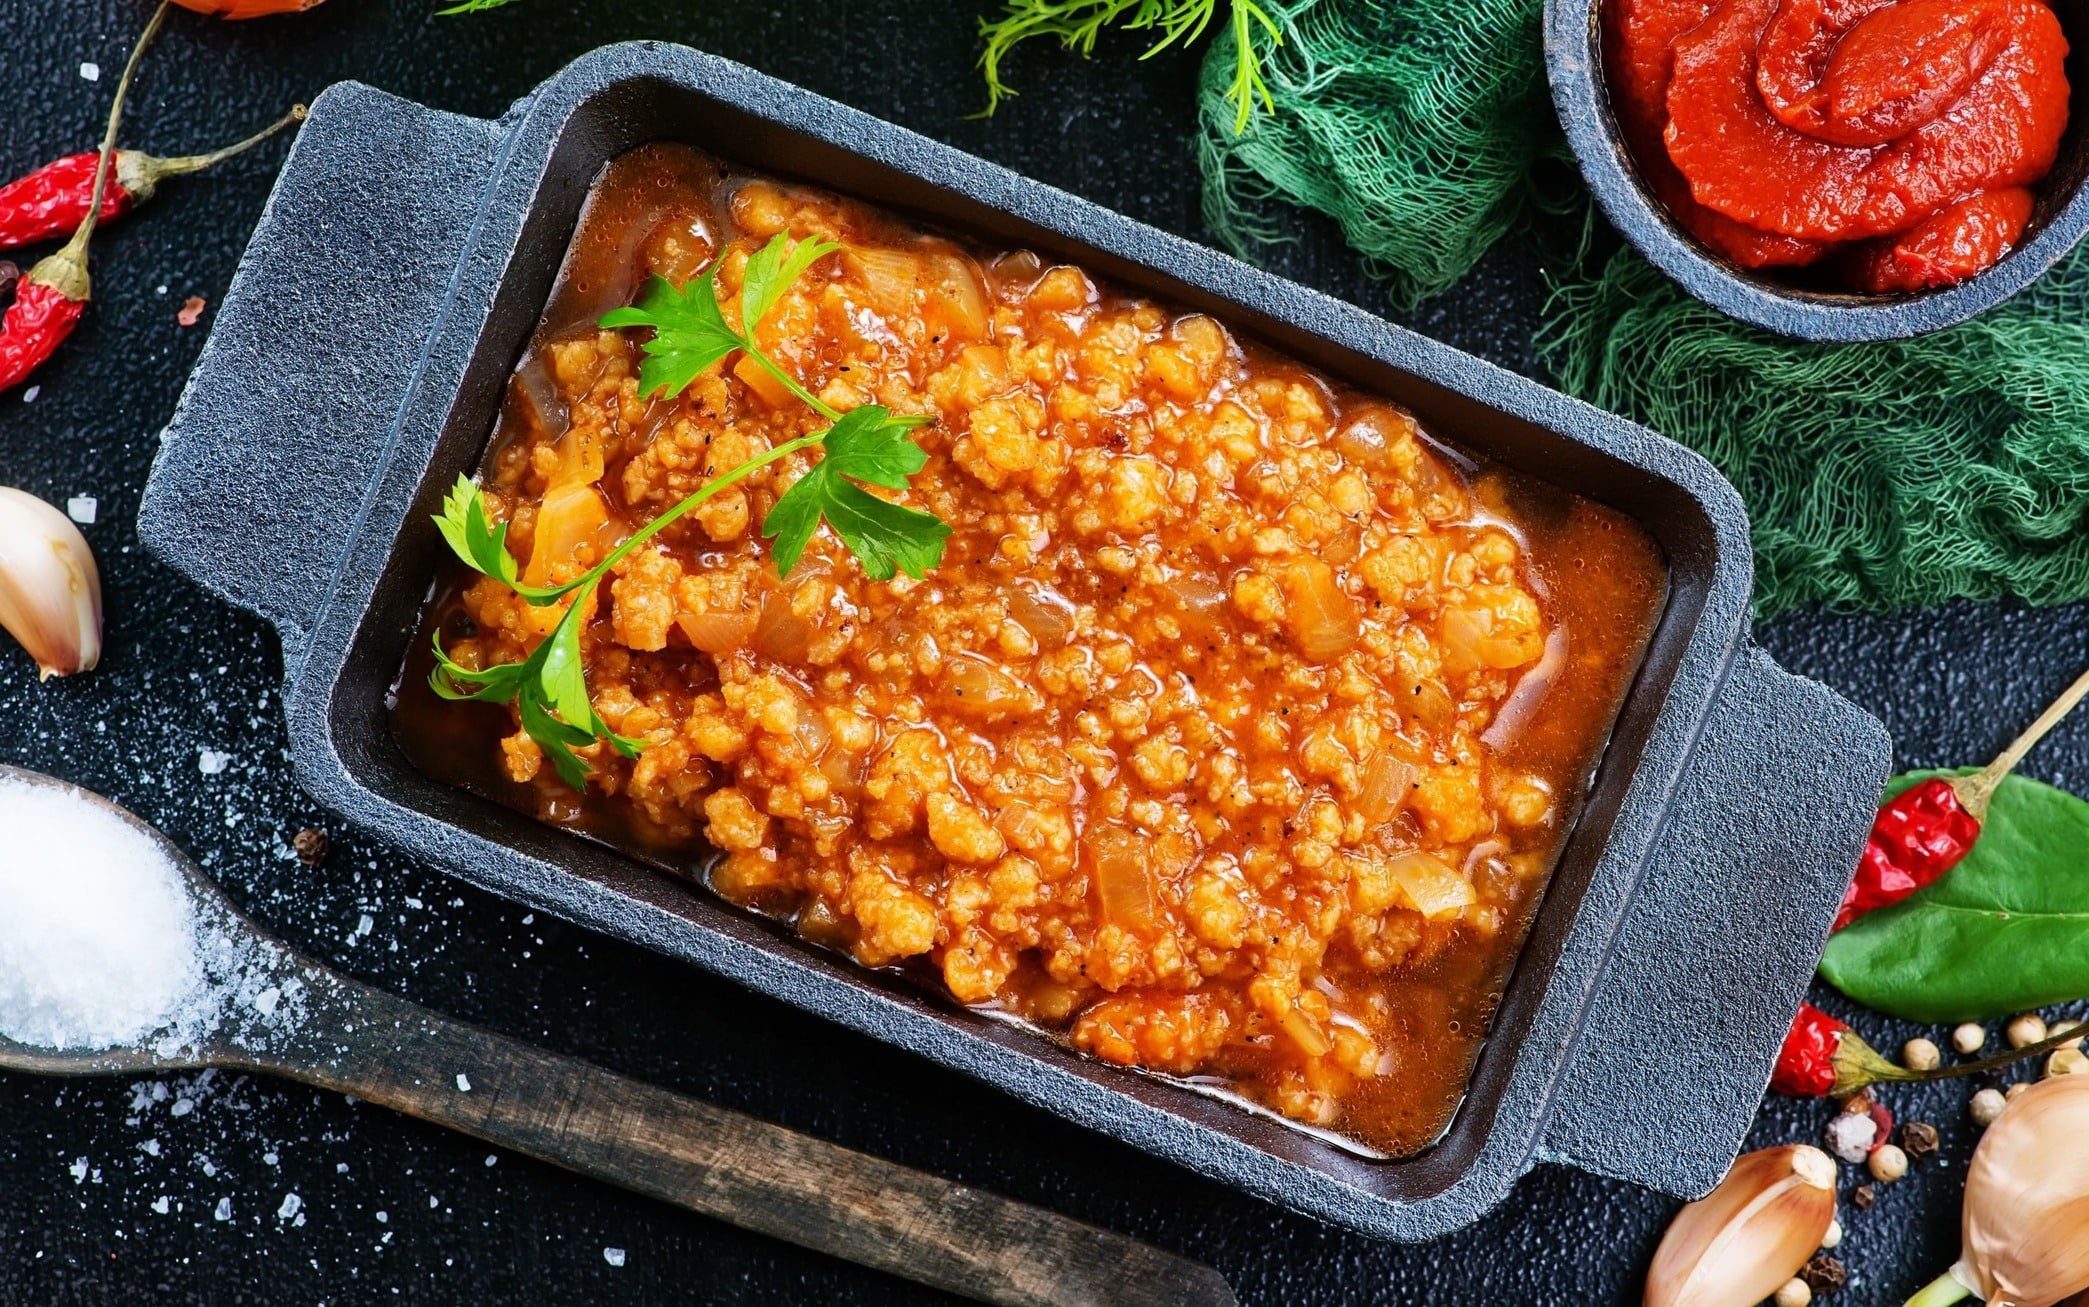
(1863, 1196)
(1825, 1274)
(50, 588)
(50, 300)
(1985, 1106)
(1969, 1038)
(2023, 1239)
(1740, 1243)
(1887, 1163)
(1793, 1293)
(2025, 1030)
(1852, 1136)
(1830, 1239)
(2066, 1062)
(1928, 829)
(55, 199)
(1919, 1140)
(1920, 1055)
(191, 311)
(311, 845)
(1822, 1056)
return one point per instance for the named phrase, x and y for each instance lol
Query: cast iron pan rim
(1573, 65)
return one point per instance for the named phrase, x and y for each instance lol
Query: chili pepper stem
(1975, 792)
(66, 271)
(141, 174)
(1859, 1066)
(1940, 1292)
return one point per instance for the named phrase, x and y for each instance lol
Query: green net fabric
(1878, 476)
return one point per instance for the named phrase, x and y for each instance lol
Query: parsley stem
(787, 379)
(660, 523)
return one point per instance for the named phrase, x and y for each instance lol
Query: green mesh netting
(1877, 476)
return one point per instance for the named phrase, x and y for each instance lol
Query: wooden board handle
(744, 1171)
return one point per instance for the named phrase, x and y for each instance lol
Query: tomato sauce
(1891, 140)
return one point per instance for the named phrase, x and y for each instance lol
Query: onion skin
(1737, 1245)
(2026, 1222)
(50, 588)
(247, 8)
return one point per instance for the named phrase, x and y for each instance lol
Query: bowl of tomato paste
(1833, 170)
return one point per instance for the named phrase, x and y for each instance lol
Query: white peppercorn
(1888, 1163)
(1920, 1055)
(1969, 1038)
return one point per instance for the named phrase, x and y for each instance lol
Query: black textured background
(111, 1191)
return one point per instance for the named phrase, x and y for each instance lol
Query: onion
(1470, 639)
(889, 275)
(572, 515)
(781, 635)
(984, 689)
(1201, 597)
(955, 298)
(718, 634)
(1434, 888)
(764, 383)
(1387, 787)
(1306, 1033)
(1371, 433)
(1124, 876)
(546, 412)
(1323, 620)
(1042, 611)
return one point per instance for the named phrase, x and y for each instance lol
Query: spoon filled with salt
(118, 956)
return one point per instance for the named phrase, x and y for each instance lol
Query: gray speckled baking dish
(355, 368)
(1574, 64)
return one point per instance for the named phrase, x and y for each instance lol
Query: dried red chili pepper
(52, 201)
(1823, 1057)
(1928, 829)
(50, 299)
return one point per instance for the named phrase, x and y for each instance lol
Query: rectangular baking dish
(355, 368)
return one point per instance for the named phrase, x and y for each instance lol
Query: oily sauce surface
(1234, 739)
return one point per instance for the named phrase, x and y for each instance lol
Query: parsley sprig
(691, 333)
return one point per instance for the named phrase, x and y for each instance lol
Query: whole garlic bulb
(50, 589)
(2026, 1221)
(1739, 1244)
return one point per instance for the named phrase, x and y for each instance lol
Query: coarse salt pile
(98, 942)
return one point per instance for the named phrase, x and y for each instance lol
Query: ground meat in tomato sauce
(1234, 739)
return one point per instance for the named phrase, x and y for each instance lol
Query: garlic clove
(1740, 1243)
(50, 589)
(2026, 1223)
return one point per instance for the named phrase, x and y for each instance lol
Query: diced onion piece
(1323, 620)
(782, 635)
(1124, 876)
(956, 301)
(718, 634)
(984, 689)
(1387, 786)
(1306, 1033)
(572, 515)
(765, 384)
(1475, 637)
(890, 275)
(1371, 433)
(1201, 597)
(1042, 611)
(1429, 703)
(1432, 886)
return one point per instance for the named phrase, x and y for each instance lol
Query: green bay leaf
(2005, 930)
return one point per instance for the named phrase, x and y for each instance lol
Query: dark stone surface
(187, 677)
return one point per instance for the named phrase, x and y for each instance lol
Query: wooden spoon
(283, 1014)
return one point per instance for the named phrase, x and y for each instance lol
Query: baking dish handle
(1722, 933)
(292, 405)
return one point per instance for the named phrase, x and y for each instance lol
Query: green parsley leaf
(770, 272)
(689, 332)
(869, 444)
(483, 546)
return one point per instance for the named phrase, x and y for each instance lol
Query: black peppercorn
(1864, 1196)
(311, 845)
(1918, 1140)
(1824, 1274)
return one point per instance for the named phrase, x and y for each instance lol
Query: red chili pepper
(1919, 834)
(1928, 829)
(50, 299)
(1806, 1063)
(53, 200)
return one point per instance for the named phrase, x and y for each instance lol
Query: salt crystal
(265, 1002)
(82, 509)
(98, 942)
(492, 1158)
(364, 925)
(150, 1147)
(210, 762)
(463, 1083)
(383, 1217)
(161, 1205)
(224, 1212)
(182, 1107)
(614, 1256)
(90, 71)
(29, 395)
(79, 1170)
(291, 1204)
